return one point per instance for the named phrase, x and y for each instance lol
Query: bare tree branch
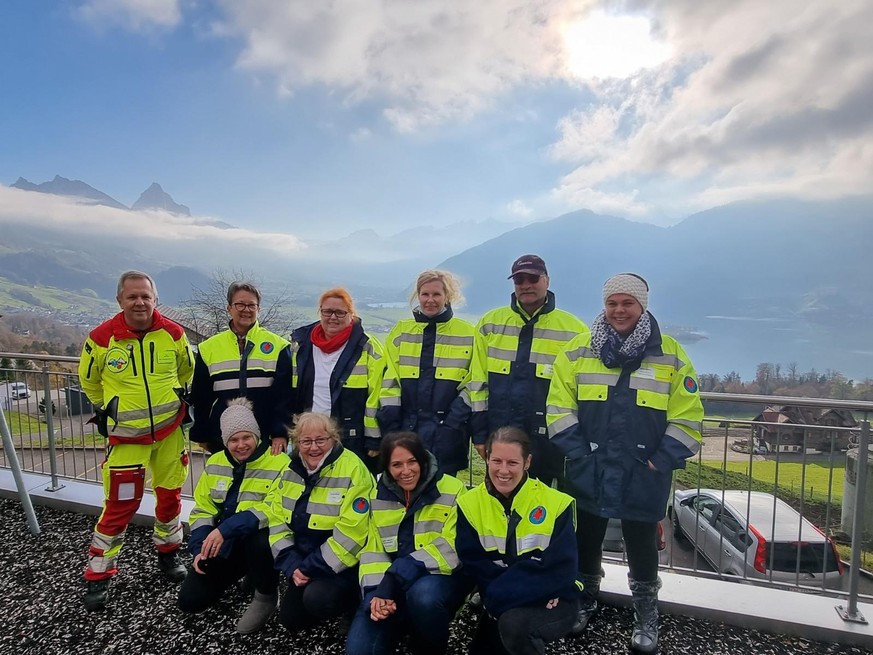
(207, 306)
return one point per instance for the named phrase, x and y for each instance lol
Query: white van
(755, 535)
(18, 390)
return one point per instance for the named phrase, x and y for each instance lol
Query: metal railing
(49, 429)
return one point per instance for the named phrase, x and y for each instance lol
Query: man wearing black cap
(513, 353)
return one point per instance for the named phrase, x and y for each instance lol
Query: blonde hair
(451, 286)
(340, 294)
(317, 420)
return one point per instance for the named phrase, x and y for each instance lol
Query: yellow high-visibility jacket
(136, 379)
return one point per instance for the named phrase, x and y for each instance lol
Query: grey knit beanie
(629, 283)
(238, 417)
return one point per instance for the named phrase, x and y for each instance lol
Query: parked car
(755, 535)
(18, 390)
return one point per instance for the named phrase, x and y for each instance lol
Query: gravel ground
(41, 610)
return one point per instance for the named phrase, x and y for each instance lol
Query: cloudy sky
(312, 119)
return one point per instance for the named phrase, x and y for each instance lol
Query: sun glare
(605, 46)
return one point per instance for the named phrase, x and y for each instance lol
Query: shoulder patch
(361, 505)
(267, 347)
(537, 515)
(690, 384)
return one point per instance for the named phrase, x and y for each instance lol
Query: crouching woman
(229, 529)
(407, 571)
(516, 537)
(319, 517)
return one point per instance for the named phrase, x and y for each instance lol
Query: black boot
(645, 599)
(96, 594)
(587, 604)
(171, 566)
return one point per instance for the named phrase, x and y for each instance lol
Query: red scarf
(320, 340)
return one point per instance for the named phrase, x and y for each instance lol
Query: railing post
(850, 612)
(12, 459)
(50, 426)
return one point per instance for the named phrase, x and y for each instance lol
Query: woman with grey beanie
(624, 408)
(229, 533)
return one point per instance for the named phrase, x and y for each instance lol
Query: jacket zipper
(145, 383)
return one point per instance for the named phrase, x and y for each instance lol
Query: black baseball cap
(528, 264)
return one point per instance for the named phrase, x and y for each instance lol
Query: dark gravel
(41, 610)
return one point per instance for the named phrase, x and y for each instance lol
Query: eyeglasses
(321, 442)
(521, 278)
(243, 306)
(339, 313)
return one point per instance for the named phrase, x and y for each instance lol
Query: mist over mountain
(61, 186)
(776, 280)
(156, 198)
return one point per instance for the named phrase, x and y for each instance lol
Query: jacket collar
(121, 330)
(547, 307)
(443, 317)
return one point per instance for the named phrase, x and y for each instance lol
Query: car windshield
(814, 558)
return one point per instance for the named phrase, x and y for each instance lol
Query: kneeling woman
(407, 568)
(517, 540)
(229, 521)
(319, 516)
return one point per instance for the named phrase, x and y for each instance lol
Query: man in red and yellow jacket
(133, 368)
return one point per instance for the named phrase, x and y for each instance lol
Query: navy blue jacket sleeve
(282, 395)
(476, 563)
(202, 399)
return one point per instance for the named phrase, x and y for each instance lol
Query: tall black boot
(587, 604)
(645, 599)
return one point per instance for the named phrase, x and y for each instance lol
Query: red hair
(341, 294)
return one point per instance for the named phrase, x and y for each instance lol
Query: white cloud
(759, 99)
(427, 61)
(135, 15)
(519, 208)
(29, 208)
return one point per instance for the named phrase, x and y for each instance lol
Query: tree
(5, 369)
(207, 306)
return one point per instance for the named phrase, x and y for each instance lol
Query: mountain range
(778, 280)
(152, 198)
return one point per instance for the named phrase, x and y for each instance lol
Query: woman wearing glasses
(516, 538)
(428, 359)
(243, 361)
(319, 512)
(338, 370)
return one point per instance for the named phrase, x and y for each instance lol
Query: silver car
(755, 535)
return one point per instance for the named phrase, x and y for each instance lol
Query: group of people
(576, 426)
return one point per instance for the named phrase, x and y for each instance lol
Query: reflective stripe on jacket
(354, 385)
(411, 542)
(227, 488)
(512, 366)
(610, 423)
(526, 556)
(262, 374)
(143, 371)
(428, 362)
(319, 522)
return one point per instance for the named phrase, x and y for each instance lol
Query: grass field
(22, 424)
(815, 481)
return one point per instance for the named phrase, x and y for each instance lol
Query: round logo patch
(690, 384)
(361, 505)
(537, 515)
(266, 347)
(117, 360)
